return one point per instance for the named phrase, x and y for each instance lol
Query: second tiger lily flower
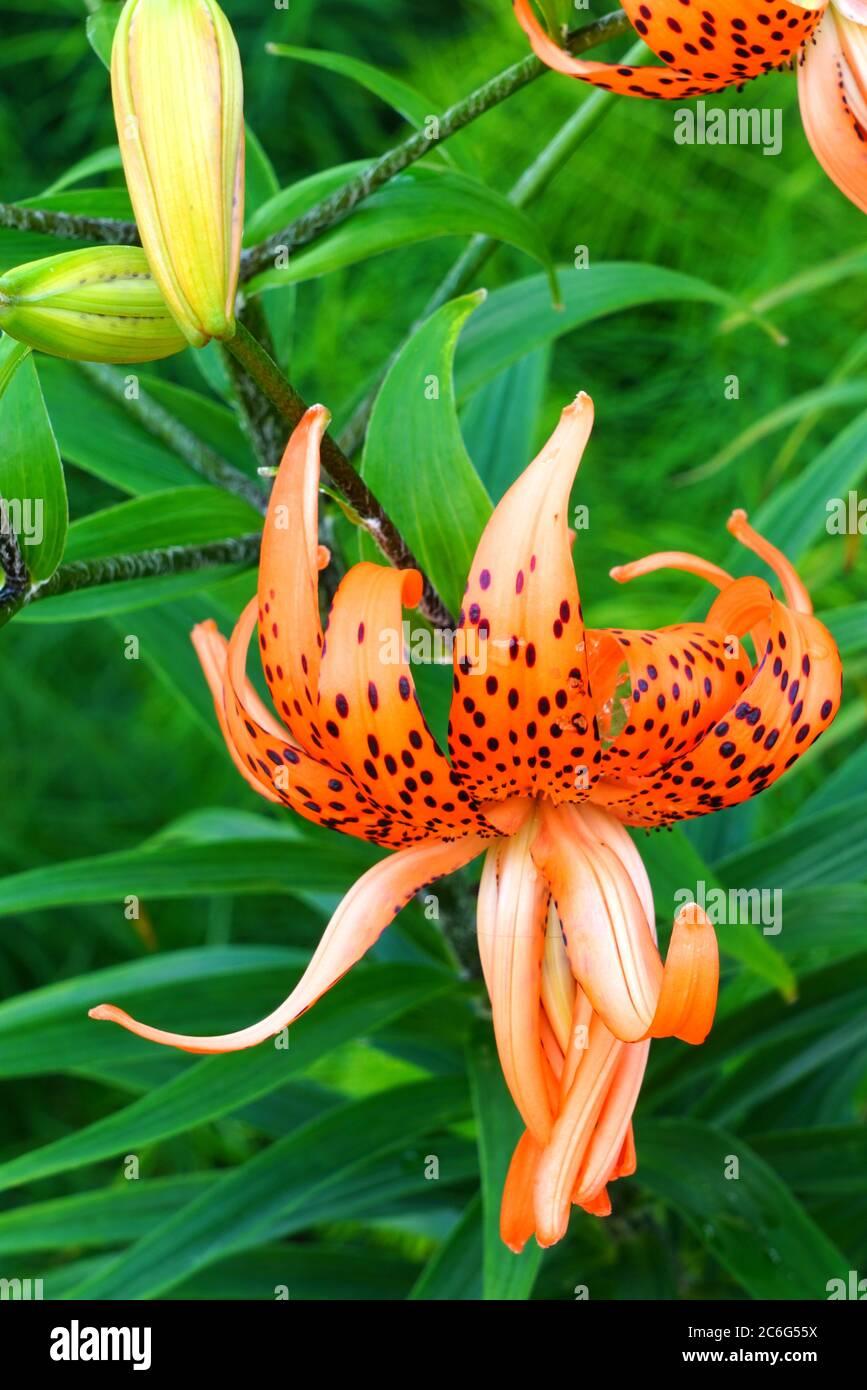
(713, 44)
(565, 737)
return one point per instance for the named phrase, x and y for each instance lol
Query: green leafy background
(366, 1160)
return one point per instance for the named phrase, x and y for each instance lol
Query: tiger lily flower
(566, 737)
(707, 50)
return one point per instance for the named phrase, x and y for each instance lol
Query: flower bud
(178, 104)
(97, 305)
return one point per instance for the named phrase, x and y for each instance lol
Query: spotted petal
(372, 726)
(706, 49)
(658, 693)
(832, 87)
(522, 718)
(792, 696)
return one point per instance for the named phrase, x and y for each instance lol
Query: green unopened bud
(178, 104)
(96, 305)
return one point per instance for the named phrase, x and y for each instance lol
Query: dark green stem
(462, 275)
(260, 418)
(12, 564)
(372, 516)
(338, 205)
(147, 564)
(170, 431)
(68, 225)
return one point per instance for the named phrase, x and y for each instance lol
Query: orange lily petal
(371, 723)
(658, 693)
(602, 1156)
(278, 767)
(687, 1000)
(628, 1160)
(561, 1160)
(290, 633)
(511, 944)
(706, 50)
(517, 1217)
(832, 88)
(608, 937)
(791, 698)
(363, 914)
(524, 725)
(211, 648)
(558, 982)
(600, 1205)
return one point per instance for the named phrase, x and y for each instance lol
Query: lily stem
(69, 226)
(371, 514)
(15, 580)
(460, 277)
(146, 564)
(170, 431)
(339, 204)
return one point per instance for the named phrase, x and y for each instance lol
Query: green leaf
(674, 864)
(752, 1224)
(304, 1164)
(220, 1085)
(506, 1276)
(455, 1271)
(98, 435)
(100, 25)
(520, 317)
(109, 1216)
(123, 452)
(424, 201)
(831, 1160)
(289, 203)
(821, 399)
(795, 515)
(405, 100)
(321, 1272)
(499, 423)
(274, 857)
(126, 596)
(32, 484)
(848, 627)
(414, 431)
(825, 848)
(178, 516)
(261, 182)
(100, 162)
(827, 998)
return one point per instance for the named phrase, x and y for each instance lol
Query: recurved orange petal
(658, 693)
(371, 723)
(687, 1000)
(363, 914)
(791, 697)
(832, 87)
(706, 49)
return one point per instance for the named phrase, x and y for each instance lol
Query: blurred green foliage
(100, 753)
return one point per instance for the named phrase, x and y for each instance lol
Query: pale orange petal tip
(106, 1013)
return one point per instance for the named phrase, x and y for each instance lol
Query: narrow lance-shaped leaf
(32, 484)
(414, 435)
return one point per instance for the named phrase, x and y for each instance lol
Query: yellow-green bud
(97, 305)
(178, 104)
